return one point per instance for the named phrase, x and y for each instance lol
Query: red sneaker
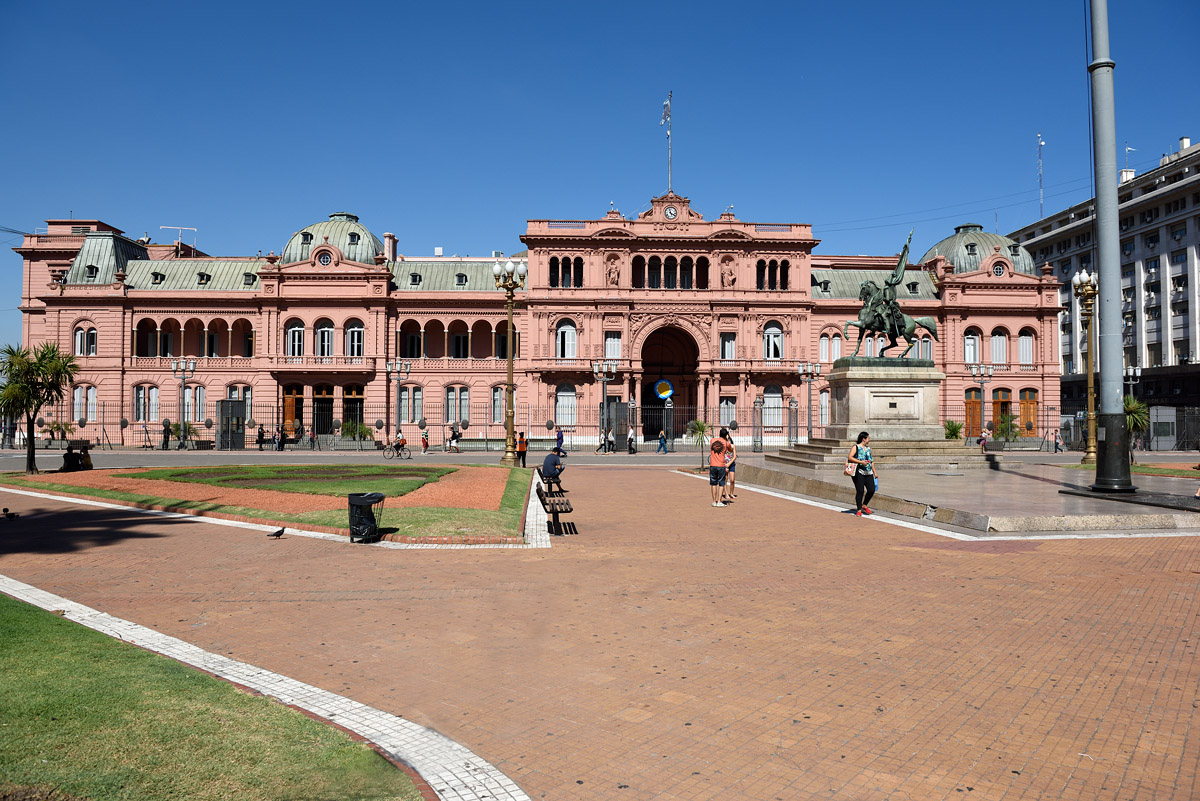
(858, 513)
(867, 510)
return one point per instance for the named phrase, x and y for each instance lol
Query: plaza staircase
(825, 457)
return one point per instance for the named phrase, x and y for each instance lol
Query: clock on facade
(670, 212)
(998, 270)
(324, 258)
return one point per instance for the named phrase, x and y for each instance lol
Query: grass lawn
(1183, 471)
(98, 719)
(419, 521)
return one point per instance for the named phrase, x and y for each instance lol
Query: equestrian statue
(881, 314)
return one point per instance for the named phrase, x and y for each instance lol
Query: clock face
(324, 258)
(670, 212)
(998, 270)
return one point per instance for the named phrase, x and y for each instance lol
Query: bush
(1009, 429)
(355, 430)
(188, 427)
(953, 429)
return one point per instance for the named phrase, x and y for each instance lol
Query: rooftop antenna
(1128, 150)
(1041, 191)
(666, 120)
(181, 229)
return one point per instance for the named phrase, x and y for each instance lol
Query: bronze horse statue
(872, 320)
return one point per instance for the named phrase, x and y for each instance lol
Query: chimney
(1184, 142)
(389, 246)
(1128, 175)
(437, 252)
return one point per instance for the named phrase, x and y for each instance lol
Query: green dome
(971, 245)
(344, 232)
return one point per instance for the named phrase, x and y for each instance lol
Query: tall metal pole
(1112, 462)
(509, 277)
(1089, 454)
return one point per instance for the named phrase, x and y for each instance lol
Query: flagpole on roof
(666, 120)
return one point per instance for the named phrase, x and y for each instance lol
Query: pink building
(723, 310)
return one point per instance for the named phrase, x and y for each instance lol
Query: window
(1179, 257)
(92, 271)
(1179, 231)
(1127, 248)
(81, 229)
(971, 248)
(1025, 347)
(772, 407)
(248, 279)
(412, 346)
(564, 340)
(870, 351)
(460, 280)
(728, 345)
(243, 392)
(564, 405)
(294, 338)
(612, 344)
(835, 348)
(913, 288)
(157, 278)
(323, 339)
(197, 397)
(355, 338)
(728, 409)
(824, 407)
(999, 347)
(1150, 240)
(458, 346)
(414, 279)
(202, 279)
(926, 349)
(85, 341)
(971, 347)
(823, 348)
(353, 239)
(84, 406)
(497, 404)
(773, 341)
(145, 403)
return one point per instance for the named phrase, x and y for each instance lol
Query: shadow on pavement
(42, 529)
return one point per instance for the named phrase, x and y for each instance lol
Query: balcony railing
(164, 362)
(363, 363)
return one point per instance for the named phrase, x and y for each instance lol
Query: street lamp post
(982, 375)
(809, 372)
(183, 369)
(604, 371)
(1084, 287)
(401, 371)
(1133, 377)
(509, 277)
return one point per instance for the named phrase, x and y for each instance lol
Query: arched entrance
(669, 353)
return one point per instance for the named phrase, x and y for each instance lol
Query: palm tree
(1137, 420)
(32, 381)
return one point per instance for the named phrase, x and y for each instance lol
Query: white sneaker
(718, 504)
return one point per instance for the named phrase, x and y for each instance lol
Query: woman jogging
(864, 473)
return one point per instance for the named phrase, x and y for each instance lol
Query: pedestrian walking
(717, 471)
(1057, 441)
(261, 438)
(632, 441)
(522, 447)
(612, 441)
(602, 445)
(166, 437)
(662, 442)
(558, 441)
(730, 465)
(424, 441)
(863, 473)
(983, 440)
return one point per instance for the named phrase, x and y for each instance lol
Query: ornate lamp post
(401, 371)
(604, 371)
(183, 369)
(1133, 377)
(509, 277)
(983, 375)
(809, 372)
(1084, 286)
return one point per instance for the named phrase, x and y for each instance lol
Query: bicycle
(394, 451)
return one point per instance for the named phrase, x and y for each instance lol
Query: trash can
(366, 513)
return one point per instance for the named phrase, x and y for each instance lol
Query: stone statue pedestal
(895, 400)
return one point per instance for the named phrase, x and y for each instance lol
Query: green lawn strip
(330, 480)
(417, 521)
(1186, 472)
(103, 720)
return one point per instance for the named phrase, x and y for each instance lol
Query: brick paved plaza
(769, 650)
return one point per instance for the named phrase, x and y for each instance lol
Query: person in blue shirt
(558, 441)
(552, 466)
(662, 442)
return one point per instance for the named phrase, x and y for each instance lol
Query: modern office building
(723, 311)
(1160, 256)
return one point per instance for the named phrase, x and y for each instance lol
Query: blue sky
(451, 124)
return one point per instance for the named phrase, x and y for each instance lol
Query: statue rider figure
(883, 301)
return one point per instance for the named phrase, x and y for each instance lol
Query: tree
(1137, 420)
(33, 380)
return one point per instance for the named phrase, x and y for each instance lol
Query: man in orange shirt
(716, 470)
(522, 447)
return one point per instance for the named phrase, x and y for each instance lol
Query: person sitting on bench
(552, 468)
(85, 459)
(71, 461)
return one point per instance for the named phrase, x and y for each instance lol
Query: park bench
(555, 505)
(549, 482)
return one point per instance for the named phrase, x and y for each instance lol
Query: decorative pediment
(620, 233)
(728, 234)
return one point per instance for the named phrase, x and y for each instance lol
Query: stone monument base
(895, 401)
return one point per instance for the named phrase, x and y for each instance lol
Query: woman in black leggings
(864, 473)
